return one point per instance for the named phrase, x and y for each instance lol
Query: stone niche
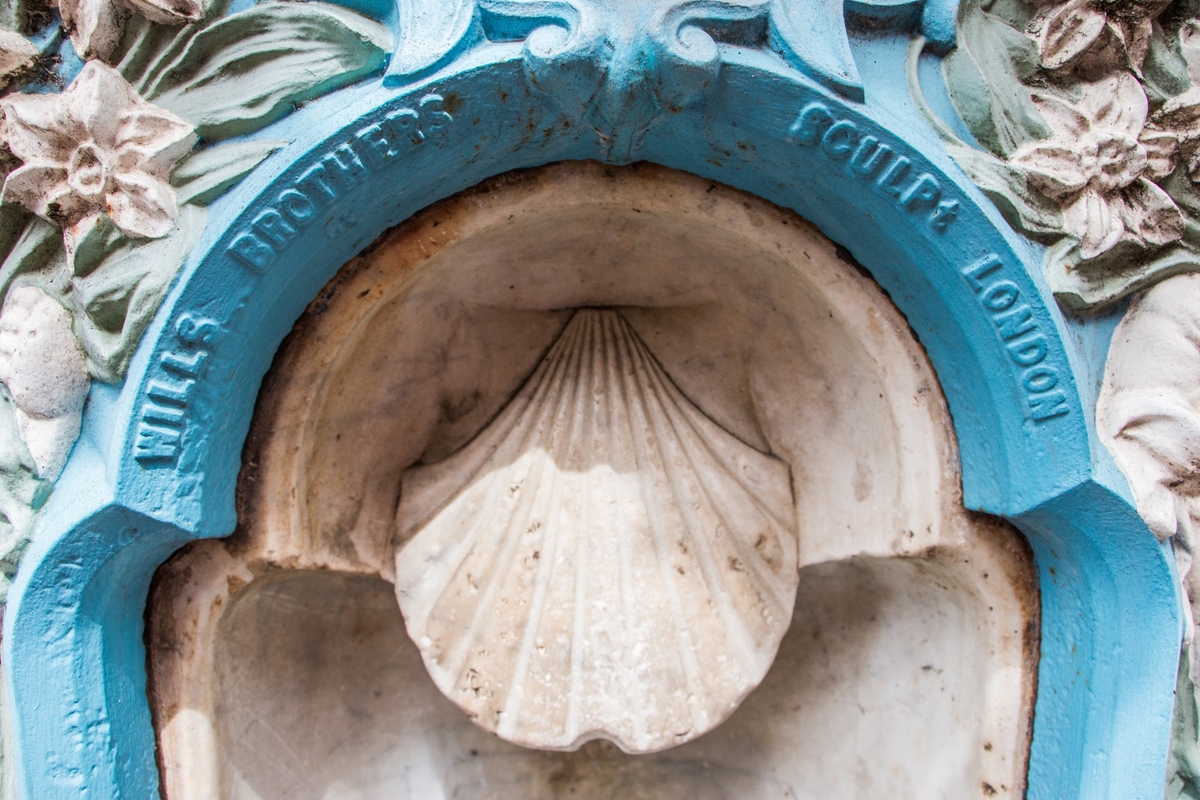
(598, 482)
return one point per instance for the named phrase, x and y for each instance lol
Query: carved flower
(1098, 165)
(95, 26)
(1096, 35)
(96, 147)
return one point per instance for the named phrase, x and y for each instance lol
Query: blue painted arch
(135, 490)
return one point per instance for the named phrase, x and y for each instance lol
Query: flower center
(87, 173)
(1116, 159)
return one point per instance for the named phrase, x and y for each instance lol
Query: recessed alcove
(280, 664)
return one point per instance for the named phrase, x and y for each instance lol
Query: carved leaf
(1008, 187)
(984, 78)
(116, 300)
(1102, 284)
(811, 34)
(208, 174)
(1068, 31)
(21, 492)
(251, 68)
(1165, 68)
(429, 31)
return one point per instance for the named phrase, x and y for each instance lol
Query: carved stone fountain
(598, 482)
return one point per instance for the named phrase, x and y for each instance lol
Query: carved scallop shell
(602, 560)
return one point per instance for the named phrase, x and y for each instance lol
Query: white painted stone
(600, 561)
(95, 148)
(1148, 415)
(911, 658)
(1099, 166)
(45, 371)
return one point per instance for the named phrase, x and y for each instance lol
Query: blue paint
(1111, 623)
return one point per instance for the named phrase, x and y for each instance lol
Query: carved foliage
(111, 161)
(1090, 132)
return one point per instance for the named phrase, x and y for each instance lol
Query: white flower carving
(46, 374)
(96, 147)
(1099, 163)
(95, 26)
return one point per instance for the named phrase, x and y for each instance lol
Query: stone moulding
(158, 459)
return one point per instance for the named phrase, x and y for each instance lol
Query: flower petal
(1068, 122)
(1150, 212)
(34, 129)
(151, 139)
(96, 98)
(1162, 148)
(1068, 31)
(1181, 114)
(1116, 102)
(1091, 220)
(1052, 167)
(142, 205)
(16, 54)
(43, 189)
(168, 12)
(95, 25)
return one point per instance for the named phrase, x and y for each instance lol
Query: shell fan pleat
(602, 560)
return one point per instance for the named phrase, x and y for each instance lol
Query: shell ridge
(691, 665)
(429, 479)
(511, 538)
(437, 580)
(579, 610)
(737, 637)
(780, 585)
(636, 688)
(548, 561)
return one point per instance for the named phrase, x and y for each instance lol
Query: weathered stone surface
(421, 344)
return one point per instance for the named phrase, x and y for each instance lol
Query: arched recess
(136, 488)
(416, 352)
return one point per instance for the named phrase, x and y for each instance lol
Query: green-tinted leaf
(112, 305)
(22, 493)
(1183, 191)
(1165, 69)
(984, 77)
(251, 68)
(207, 174)
(1082, 286)
(1007, 186)
(1183, 760)
(38, 243)
(13, 221)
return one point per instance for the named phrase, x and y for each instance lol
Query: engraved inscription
(865, 156)
(258, 245)
(1017, 328)
(162, 417)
